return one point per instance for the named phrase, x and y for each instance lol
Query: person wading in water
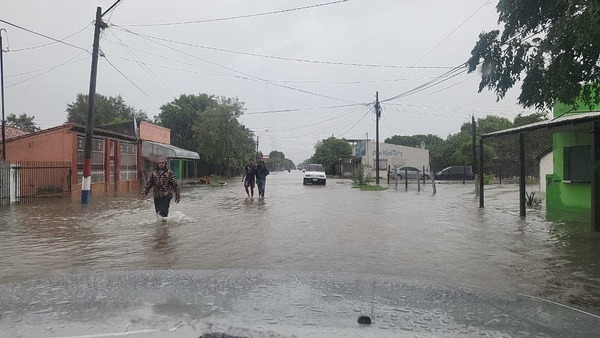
(165, 185)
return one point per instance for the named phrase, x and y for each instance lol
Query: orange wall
(152, 132)
(55, 145)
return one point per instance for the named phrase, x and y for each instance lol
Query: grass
(366, 187)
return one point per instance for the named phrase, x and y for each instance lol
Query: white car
(314, 174)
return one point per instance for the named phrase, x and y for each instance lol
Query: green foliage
(487, 179)
(22, 122)
(358, 176)
(109, 110)
(433, 143)
(370, 187)
(531, 199)
(328, 152)
(224, 145)
(554, 44)
(181, 115)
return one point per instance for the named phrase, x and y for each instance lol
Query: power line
(51, 43)
(238, 16)
(250, 77)
(44, 36)
(142, 65)
(357, 122)
(280, 57)
(133, 83)
(444, 39)
(48, 70)
(458, 70)
(300, 109)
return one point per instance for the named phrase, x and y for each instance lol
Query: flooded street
(442, 239)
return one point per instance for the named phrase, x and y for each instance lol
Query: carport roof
(155, 150)
(571, 119)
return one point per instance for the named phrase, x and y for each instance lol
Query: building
(391, 157)
(122, 156)
(573, 185)
(156, 144)
(114, 159)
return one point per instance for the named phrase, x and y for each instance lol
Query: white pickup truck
(314, 174)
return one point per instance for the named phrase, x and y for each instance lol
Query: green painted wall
(562, 195)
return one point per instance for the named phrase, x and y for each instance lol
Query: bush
(358, 176)
(487, 179)
(531, 200)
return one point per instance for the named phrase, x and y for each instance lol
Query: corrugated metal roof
(154, 150)
(564, 120)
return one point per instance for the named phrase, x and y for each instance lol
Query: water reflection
(442, 238)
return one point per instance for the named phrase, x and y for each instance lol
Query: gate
(4, 183)
(40, 179)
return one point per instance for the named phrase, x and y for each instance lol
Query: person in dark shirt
(165, 185)
(249, 177)
(261, 177)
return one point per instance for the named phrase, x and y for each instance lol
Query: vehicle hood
(245, 303)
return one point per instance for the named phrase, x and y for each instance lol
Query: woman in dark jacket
(165, 185)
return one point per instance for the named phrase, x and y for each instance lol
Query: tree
(109, 110)
(554, 44)
(23, 122)
(433, 143)
(224, 145)
(329, 151)
(180, 115)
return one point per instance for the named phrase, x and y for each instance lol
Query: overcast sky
(162, 49)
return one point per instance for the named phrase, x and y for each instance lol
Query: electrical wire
(44, 36)
(239, 16)
(128, 79)
(250, 77)
(51, 43)
(278, 57)
(458, 70)
(48, 70)
(144, 67)
(445, 38)
(357, 122)
(300, 109)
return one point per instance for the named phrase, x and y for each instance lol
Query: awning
(567, 120)
(154, 151)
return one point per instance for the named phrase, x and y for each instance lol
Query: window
(128, 164)
(97, 159)
(578, 164)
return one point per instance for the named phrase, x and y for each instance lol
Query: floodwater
(442, 238)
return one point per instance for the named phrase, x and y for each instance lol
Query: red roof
(11, 132)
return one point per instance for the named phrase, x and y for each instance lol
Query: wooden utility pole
(86, 183)
(2, 86)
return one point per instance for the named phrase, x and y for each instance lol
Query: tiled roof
(11, 132)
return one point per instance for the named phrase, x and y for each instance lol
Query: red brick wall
(152, 132)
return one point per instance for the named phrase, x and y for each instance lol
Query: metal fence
(4, 183)
(25, 181)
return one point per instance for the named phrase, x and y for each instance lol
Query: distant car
(454, 173)
(314, 174)
(411, 173)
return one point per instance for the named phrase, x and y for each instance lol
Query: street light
(257, 137)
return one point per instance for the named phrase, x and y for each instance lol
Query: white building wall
(396, 157)
(546, 167)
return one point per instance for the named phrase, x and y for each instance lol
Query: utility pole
(89, 129)
(474, 147)
(2, 86)
(377, 115)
